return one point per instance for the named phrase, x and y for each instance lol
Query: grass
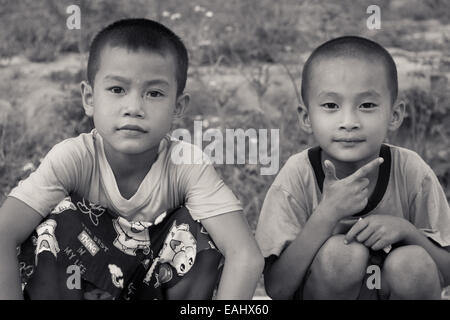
(245, 66)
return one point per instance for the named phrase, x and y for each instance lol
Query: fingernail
(381, 160)
(345, 241)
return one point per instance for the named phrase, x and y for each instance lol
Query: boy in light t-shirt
(119, 225)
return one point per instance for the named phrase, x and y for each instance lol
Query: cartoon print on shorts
(131, 236)
(93, 210)
(116, 275)
(179, 250)
(65, 204)
(46, 240)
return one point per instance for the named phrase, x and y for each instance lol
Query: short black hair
(351, 47)
(135, 34)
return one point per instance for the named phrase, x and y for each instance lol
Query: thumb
(330, 170)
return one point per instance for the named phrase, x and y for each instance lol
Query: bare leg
(410, 273)
(337, 270)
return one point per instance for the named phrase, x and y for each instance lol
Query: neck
(126, 165)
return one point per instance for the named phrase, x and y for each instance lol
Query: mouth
(349, 140)
(132, 128)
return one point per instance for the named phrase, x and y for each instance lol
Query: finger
(355, 229)
(372, 240)
(330, 170)
(364, 182)
(364, 193)
(366, 169)
(380, 244)
(365, 234)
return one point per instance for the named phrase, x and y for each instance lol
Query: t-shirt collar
(314, 155)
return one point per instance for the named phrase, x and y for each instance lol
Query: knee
(410, 272)
(341, 265)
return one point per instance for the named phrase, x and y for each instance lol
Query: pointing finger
(366, 169)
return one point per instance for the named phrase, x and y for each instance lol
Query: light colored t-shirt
(79, 165)
(406, 187)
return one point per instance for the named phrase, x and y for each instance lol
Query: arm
(340, 198)
(429, 209)
(281, 279)
(17, 221)
(243, 260)
(379, 231)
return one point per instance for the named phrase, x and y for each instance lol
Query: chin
(133, 149)
(353, 156)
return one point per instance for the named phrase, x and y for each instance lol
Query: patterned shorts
(82, 248)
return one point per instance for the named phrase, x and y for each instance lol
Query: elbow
(254, 259)
(259, 262)
(271, 289)
(249, 258)
(274, 289)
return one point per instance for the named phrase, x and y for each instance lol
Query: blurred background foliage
(246, 58)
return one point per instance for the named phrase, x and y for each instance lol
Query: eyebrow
(359, 95)
(128, 81)
(368, 93)
(328, 93)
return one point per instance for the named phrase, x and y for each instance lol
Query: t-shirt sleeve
(55, 177)
(205, 193)
(278, 223)
(431, 211)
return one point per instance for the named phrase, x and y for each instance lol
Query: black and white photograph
(224, 150)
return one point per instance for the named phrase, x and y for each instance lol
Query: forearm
(240, 276)
(10, 285)
(440, 256)
(285, 275)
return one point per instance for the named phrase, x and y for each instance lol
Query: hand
(347, 196)
(379, 231)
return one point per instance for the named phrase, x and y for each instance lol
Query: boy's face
(133, 100)
(350, 109)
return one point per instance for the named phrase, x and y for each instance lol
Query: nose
(350, 120)
(133, 106)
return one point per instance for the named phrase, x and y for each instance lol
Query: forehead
(349, 75)
(136, 65)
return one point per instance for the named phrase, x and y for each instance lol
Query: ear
(181, 105)
(87, 94)
(303, 118)
(397, 115)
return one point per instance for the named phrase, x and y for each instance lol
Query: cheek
(321, 124)
(161, 112)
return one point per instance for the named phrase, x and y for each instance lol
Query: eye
(154, 94)
(330, 106)
(116, 90)
(368, 105)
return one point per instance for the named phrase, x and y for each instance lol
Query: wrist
(410, 233)
(326, 214)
